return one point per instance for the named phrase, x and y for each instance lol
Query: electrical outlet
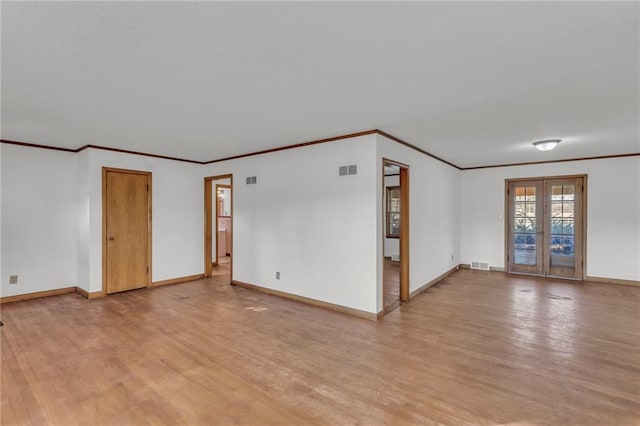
(13, 279)
(277, 275)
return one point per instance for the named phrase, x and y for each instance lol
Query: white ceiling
(473, 83)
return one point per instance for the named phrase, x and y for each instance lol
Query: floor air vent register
(480, 265)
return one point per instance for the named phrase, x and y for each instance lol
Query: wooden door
(127, 230)
(545, 226)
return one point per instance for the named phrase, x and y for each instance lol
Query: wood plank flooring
(479, 348)
(390, 284)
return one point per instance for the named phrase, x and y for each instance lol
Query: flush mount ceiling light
(547, 145)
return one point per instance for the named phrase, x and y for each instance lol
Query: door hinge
(147, 269)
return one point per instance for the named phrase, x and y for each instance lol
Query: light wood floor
(479, 348)
(390, 284)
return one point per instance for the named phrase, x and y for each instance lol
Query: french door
(545, 226)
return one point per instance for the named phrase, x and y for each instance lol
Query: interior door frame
(583, 229)
(404, 227)
(208, 224)
(149, 176)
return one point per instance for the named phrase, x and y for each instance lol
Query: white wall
(434, 193)
(1, 272)
(613, 213)
(84, 221)
(177, 214)
(391, 245)
(316, 228)
(322, 232)
(39, 225)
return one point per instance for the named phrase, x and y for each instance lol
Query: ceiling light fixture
(547, 145)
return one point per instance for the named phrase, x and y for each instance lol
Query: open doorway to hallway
(222, 223)
(395, 277)
(218, 238)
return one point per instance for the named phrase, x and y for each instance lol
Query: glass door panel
(564, 229)
(525, 217)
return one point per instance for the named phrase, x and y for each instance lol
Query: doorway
(218, 232)
(126, 230)
(395, 246)
(222, 224)
(546, 226)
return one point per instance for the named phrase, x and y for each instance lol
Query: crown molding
(310, 143)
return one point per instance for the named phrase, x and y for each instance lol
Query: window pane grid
(525, 226)
(562, 236)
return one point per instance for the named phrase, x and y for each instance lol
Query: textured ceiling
(473, 83)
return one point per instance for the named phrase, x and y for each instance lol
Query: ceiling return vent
(480, 265)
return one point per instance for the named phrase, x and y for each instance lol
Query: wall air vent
(480, 265)
(351, 169)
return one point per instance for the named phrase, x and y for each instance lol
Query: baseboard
(37, 295)
(318, 303)
(600, 280)
(588, 279)
(178, 280)
(88, 295)
(84, 293)
(434, 281)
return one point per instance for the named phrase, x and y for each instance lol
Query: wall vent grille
(351, 169)
(480, 265)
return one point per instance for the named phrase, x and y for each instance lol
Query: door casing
(404, 227)
(208, 223)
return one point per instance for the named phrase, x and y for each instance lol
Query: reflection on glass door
(545, 232)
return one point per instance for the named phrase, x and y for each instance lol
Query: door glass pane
(525, 226)
(562, 239)
(524, 249)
